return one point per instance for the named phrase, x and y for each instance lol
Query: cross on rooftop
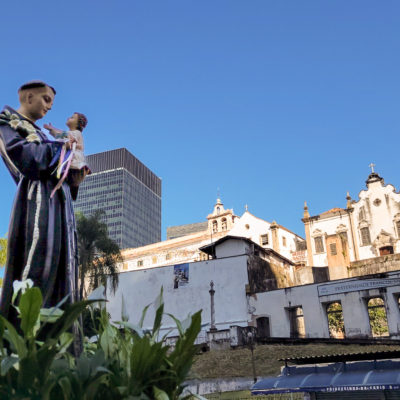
(372, 165)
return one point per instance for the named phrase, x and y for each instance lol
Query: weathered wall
(261, 276)
(314, 298)
(141, 287)
(375, 265)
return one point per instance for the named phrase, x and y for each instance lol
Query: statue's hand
(70, 141)
(52, 129)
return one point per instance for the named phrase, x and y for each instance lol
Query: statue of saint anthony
(41, 237)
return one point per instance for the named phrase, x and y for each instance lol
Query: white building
(239, 267)
(368, 227)
(221, 222)
(259, 288)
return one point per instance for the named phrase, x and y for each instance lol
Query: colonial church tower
(220, 220)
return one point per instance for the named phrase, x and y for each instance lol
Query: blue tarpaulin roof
(337, 377)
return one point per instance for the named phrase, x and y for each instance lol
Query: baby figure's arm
(56, 133)
(77, 137)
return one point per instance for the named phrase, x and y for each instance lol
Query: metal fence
(245, 395)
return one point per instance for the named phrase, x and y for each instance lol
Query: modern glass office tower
(128, 192)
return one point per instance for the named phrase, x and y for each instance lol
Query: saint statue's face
(73, 122)
(38, 102)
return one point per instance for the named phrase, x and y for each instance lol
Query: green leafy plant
(122, 361)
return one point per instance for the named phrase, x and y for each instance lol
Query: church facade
(367, 228)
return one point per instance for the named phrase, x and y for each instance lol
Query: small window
(223, 224)
(247, 226)
(319, 244)
(361, 214)
(332, 247)
(215, 226)
(154, 260)
(343, 237)
(398, 228)
(284, 241)
(365, 236)
(264, 239)
(218, 211)
(140, 263)
(168, 256)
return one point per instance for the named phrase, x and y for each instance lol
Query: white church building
(368, 227)
(220, 223)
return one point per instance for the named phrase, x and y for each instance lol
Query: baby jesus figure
(76, 161)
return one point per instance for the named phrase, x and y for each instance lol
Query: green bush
(124, 362)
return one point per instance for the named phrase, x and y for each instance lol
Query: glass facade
(128, 192)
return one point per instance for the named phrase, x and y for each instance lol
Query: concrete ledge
(206, 386)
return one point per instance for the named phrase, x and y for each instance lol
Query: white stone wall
(141, 287)
(274, 304)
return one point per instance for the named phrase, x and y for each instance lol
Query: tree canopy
(98, 254)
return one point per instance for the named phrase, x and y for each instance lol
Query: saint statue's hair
(34, 85)
(82, 121)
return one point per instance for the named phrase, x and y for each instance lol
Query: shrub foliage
(122, 361)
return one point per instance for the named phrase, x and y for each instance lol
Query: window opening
(297, 326)
(333, 249)
(319, 245)
(365, 236)
(263, 328)
(334, 313)
(223, 224)
(264, 239)
(215, 227)
(377, 317)
(383, 251)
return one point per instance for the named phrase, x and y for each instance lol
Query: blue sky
(272, 102)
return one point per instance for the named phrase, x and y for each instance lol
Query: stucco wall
(375, 265)
(141, 287)
(275, 304)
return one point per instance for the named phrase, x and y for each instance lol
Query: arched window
(215, 226)
(365, 236)
(334, 313)
(377, 317)
(263, 330)
(319, 244)
(218, 210)
(223, 224)
(296, 320)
